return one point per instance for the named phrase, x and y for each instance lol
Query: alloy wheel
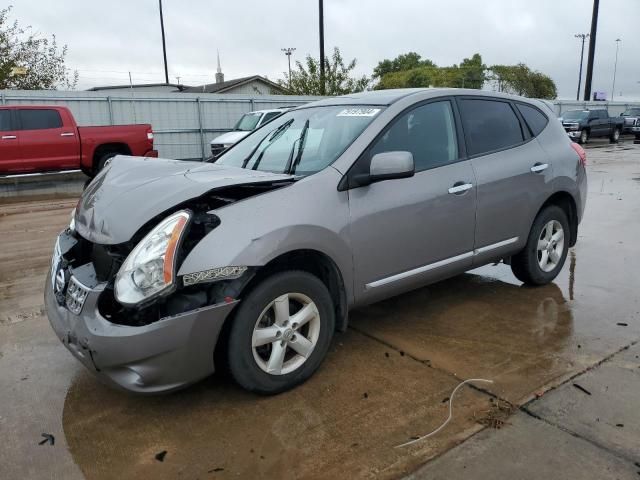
(550, 246)
(285, 334)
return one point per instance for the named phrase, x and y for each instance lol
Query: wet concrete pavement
(384, 381)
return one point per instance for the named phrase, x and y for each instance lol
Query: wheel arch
(105, 148)
(566, 202)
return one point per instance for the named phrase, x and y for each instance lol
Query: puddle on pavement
(343, 423)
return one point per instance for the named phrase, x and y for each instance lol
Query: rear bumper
(166, 355)
(151, 153)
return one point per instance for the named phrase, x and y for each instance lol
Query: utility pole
(592, 50)
(321, 19)
(583, 37)
(288, 52)
(615, 67)
(164, 46)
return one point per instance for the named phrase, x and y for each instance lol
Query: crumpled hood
(132, 190)
(230, 137)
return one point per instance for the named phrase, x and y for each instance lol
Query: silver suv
(245, 125)
(252, 263)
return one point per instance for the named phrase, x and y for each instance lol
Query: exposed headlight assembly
(149, 270)
(72, 222)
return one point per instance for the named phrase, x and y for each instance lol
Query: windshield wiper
(274, 134)
(293, 164)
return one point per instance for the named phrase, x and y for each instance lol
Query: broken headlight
(149, 270)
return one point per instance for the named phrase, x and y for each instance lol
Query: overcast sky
(106, 39)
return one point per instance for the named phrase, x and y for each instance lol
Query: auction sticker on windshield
(358, 112)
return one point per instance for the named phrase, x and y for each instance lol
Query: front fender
(309, 215)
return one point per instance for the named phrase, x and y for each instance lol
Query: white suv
(247, 123)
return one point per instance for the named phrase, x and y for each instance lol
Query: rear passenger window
(428, 132)
(536, 120)
(489, 125)
(39, 119)
(5, 120)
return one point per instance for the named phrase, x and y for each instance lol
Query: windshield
(575, 115)
(247, 122)
(301, 142)
(632, 112)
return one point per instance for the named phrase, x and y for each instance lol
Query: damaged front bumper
(166, 355)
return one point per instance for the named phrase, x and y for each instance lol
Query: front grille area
(76, 296)
(217, 149)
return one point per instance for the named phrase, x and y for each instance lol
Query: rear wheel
(584, 137)
(615, 136)
(542, 258)
(280, 333)
(103, 161)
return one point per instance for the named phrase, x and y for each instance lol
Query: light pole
(164, 46)
(592, 50)
(615, 66)
(288, 52)
(321, 28)
(583, 37)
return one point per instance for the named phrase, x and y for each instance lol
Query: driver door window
(428, 132)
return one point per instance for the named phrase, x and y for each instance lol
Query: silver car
(169, 271)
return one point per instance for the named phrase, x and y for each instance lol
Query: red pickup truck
(46, 138)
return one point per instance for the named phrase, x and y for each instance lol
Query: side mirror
(387, 166)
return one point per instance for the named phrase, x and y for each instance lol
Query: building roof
(229, 84)
(137, 85)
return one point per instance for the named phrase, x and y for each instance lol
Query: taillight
(581, 153)
(149, 135)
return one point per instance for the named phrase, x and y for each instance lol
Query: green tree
(521, 80)
(403, 62)
(473, 72)
(305, 80)
(409, 71)
(29, 61)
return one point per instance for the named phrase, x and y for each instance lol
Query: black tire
(584, 137)
(615, 136)
(103, 160)
(525, 264)
(241, 363)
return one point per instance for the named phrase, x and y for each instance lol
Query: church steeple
(219, 74)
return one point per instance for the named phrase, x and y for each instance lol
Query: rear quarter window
(5, 120)
(489, 125)
(34, 119)
(535, 119)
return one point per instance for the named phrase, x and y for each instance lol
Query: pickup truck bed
(47, 138)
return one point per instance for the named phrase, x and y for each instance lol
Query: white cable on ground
(450, 412)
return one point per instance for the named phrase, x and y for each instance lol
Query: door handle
(460, 187)
(67, 134)
(8, 137)
(539, 167)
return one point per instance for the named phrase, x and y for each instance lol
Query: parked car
(255, 260)
(581, 125)
(45, 138)
(631, 118)
(247, 123)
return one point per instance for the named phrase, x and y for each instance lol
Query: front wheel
(280, 333)
(615, 136)
(543, 256)
(584, 137)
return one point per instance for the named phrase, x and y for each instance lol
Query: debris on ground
(215, 470)
(497, 415)
(582, 389)
(48, 438)
(160, 455)
(365, 395)
(622, 324)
